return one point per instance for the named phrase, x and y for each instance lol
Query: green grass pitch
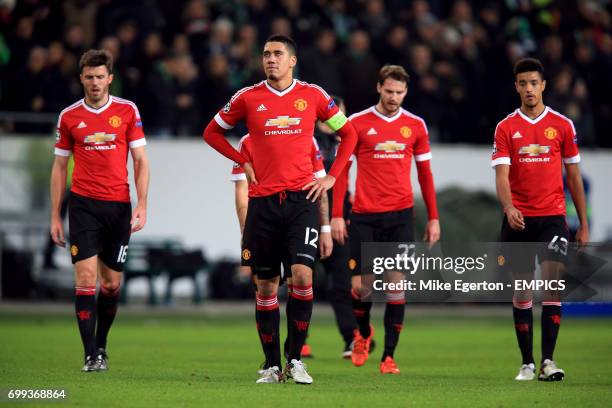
(193, 359)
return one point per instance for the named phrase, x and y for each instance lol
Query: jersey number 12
(312, 241)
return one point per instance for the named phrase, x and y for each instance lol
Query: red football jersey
(384, 154)
(99, 139)
(245, 148)
(534, 149)
(281, 129)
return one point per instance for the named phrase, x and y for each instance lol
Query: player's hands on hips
(319, 186)
(432, 232)
(250, 173)
(57, 231)
(339, 231)
(515, 218)
(326, 244)
(139, 218)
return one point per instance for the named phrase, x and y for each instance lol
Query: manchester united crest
(550, 133)
(114, 121)
(246, 254)
(406, 132)
(352, 264)
(74, 250)
(300, 104)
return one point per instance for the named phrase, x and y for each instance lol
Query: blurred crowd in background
(181, 60)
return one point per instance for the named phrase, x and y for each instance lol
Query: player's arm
(214, 135)
(504, 195)
(422, 157)
(325, 240)
(571, 158)
(59, 173)
(348, 142)
(141, 179)
(326, 244)
(324, 210)
(338, 122)
(338, 224)
(501, 162)
(426, 182)
(63, 149)
(241, 198)
(576, 189)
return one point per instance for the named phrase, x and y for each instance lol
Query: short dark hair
(528, 65)
(396, 72)
(96, 58)
(288, 41)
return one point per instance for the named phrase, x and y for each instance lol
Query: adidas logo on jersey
(517, 135)
(262, 108)
(81, 125)
(372, 131)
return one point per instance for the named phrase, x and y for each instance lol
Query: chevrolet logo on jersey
(283, 122)
(390, 146)
(534, 150)
(100, 137)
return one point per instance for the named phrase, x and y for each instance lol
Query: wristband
(325, 228)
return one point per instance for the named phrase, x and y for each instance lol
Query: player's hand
(250, 173)
(57, 231)
(139, 218)
(432, 232)
(244, 274)
(319, 186)
(582, 236)
(515, 218)
(339, 231)
(326, 244)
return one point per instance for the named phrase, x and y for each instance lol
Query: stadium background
(180, 61)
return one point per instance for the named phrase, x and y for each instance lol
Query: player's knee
(362, 286)
(267, 287)
(360, 292)
(523, 295)
(301, 275)
(551, 296)
(356, 287)
(110, 287)
(522, 302)
(86, 276)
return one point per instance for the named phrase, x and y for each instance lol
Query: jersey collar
(533, 121)
(101, 108)
(281, 93)
(386, 118)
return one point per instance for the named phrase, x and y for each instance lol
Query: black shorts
(392, 226)
(546, 237)
(280, 227)
(99, 228)
(245, 260)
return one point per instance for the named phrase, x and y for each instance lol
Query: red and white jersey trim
(62, 152)
(222, 123)
(138, 143)
(423, 157)
(501, 160)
